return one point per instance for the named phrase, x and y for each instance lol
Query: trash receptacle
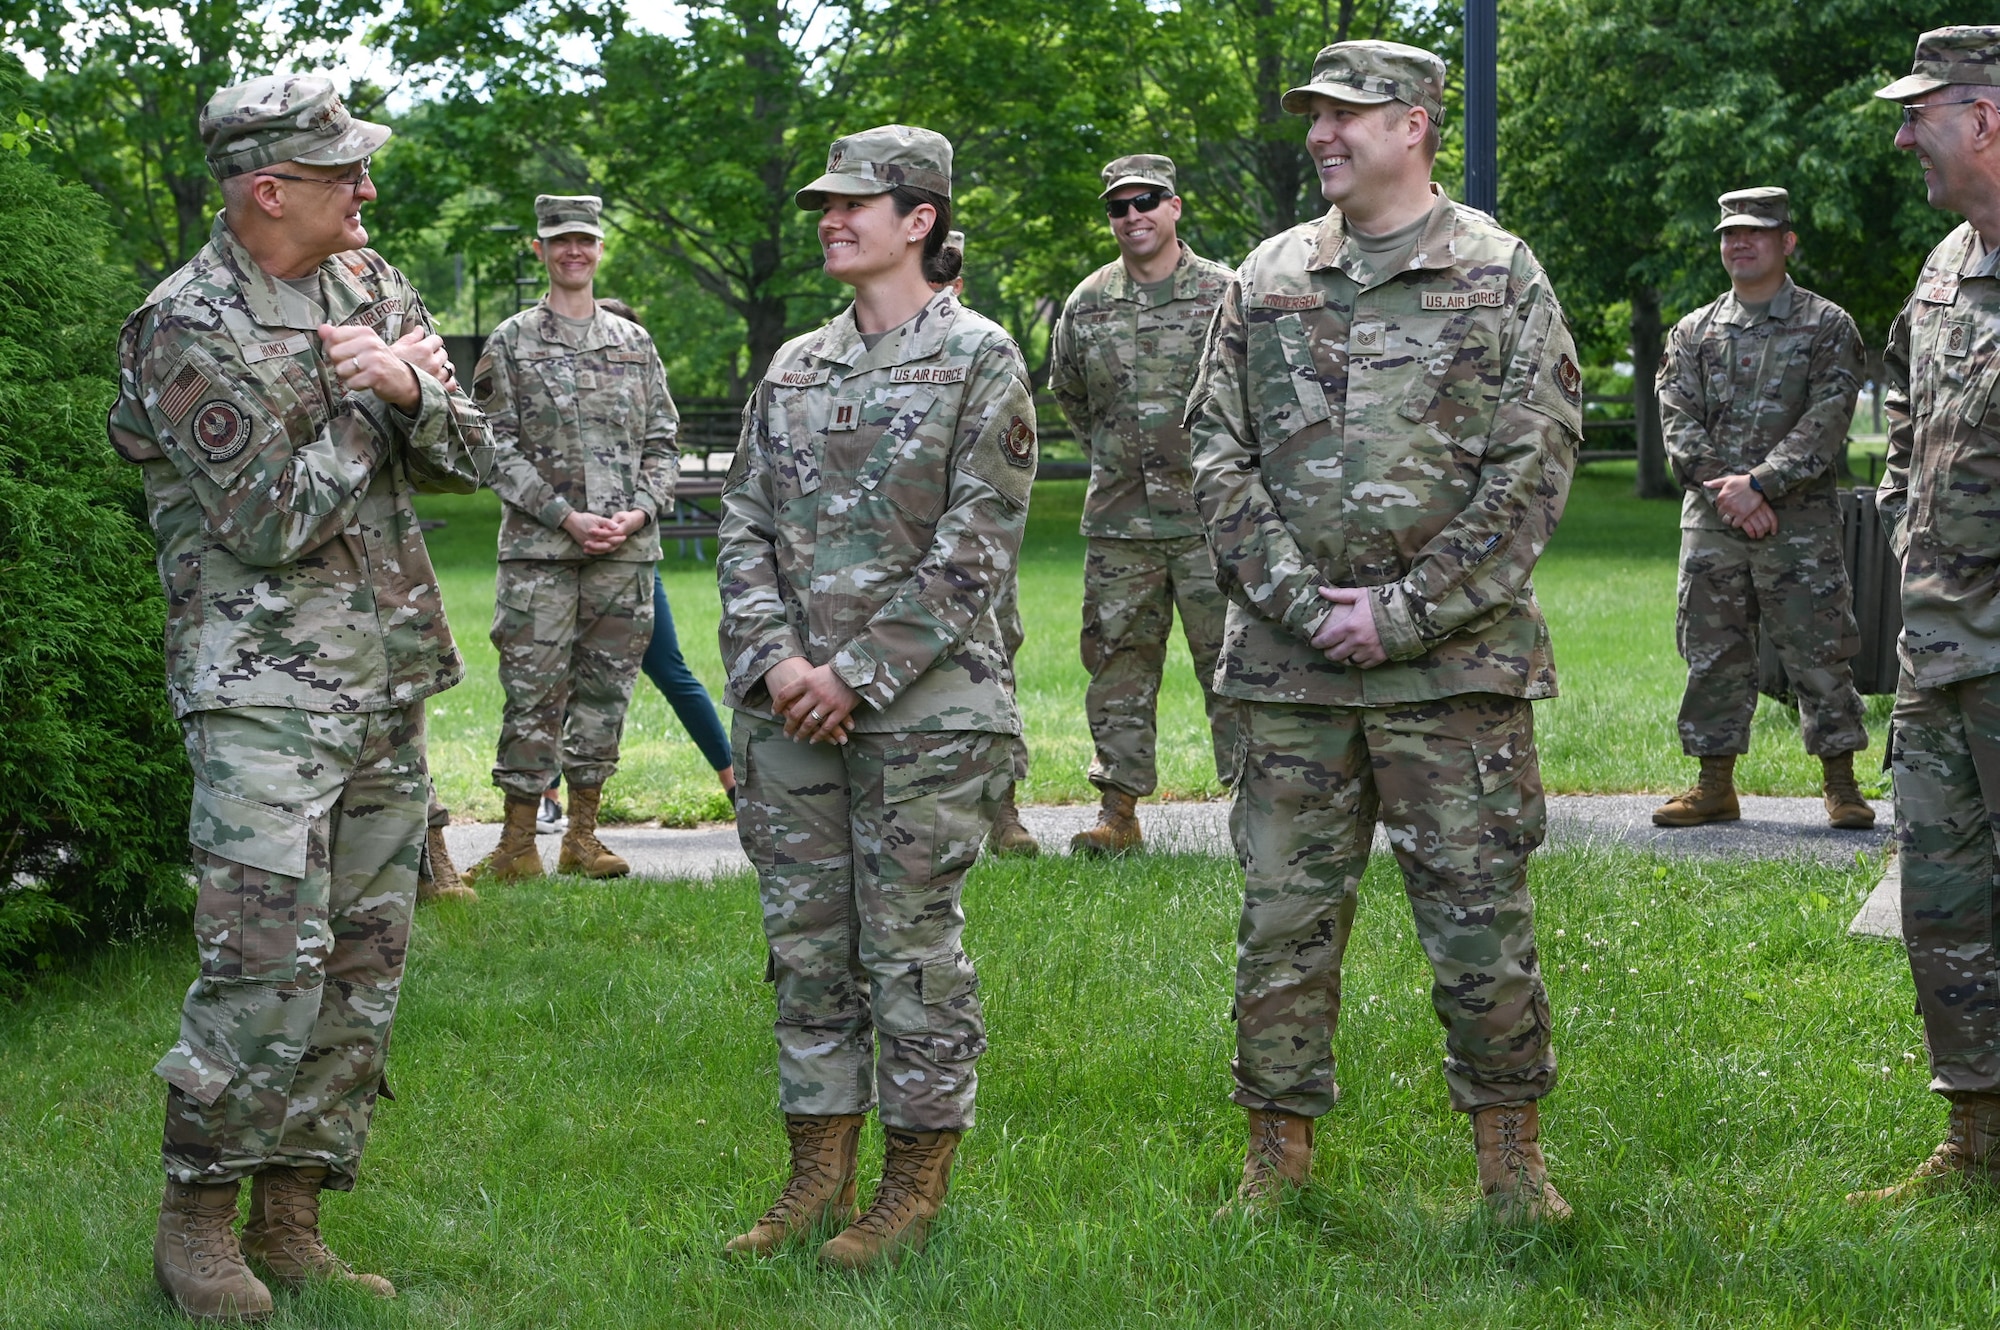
(1877, 578)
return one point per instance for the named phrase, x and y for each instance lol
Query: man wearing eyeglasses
(1384, 433)
(1757, 390)
(285, 396)
(1940, 496)
(1122, 358)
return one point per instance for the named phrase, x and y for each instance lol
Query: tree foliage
(93, 783)
(1623, 120)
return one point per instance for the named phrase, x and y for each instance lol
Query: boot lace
(813, 1156)
(897, 1195)
(1514, 1159)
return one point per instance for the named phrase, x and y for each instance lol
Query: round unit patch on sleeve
(221, 430)
(1018, 442)
(1570, 379)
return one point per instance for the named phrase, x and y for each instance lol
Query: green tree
(1622, 121)
(93, 783)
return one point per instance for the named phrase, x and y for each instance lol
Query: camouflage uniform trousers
(307, 828)
(1007, 609)
(1131, 589)
(1792, 585)
(1945, 760)
(570, 637)
(861, 851)
(1458, 788)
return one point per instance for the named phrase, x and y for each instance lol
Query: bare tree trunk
(1647, 343)
(1280, 152)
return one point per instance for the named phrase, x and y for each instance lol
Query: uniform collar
(272, 303)
(920, 338)
(1187, 281)
(1437, 246)
(1972, 263)
(1731, 310)
(553, 328)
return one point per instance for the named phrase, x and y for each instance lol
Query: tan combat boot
(1117, 829)
(283, 1232)
(916, 1169)
(1513, 1176)
(1845, 808)
(1713, 798)
(515, 858)
(1970, 1154)
(440, 880)
(582, 853)
(196, 1258)
(1279, 1159)
(821, 1187)
(1009, 839)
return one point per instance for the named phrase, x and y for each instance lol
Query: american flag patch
(187, 387)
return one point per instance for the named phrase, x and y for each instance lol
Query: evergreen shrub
(93, 782)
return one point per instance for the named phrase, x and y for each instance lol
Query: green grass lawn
(1607, 583)
(585, 1110)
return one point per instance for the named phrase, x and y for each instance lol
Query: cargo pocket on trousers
(1510, 782)
(246, 909)
(196, 1072)
(936, 806)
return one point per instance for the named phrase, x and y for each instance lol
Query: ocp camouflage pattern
(872, 515)
(1940, 492)
(582, 422)
(1770, 398)
(1120, 366)
(294, 570)
(1415, 437)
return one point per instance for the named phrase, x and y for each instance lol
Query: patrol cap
(955, 241)
(1140, 168)
(1946, 56)
(878, 160)
(283, 118)
(1764, 207)
(1373, 74)
(568, 215)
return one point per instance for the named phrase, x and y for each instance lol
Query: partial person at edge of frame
(1936, 499)
(585, 462)
(873, 513)
(1384, 638)
(1122, 359)
(1757, 390)
(285, 530)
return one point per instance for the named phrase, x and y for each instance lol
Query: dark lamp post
(1482, 106)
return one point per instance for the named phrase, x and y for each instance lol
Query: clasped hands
(1742, 507)
(1347, 635)
(363, 362)
(601, 535)
(816, 703)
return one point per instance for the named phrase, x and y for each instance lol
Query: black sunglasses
(1145, 202)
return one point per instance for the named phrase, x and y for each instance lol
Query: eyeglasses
(349, 182)
(1910, 109)
(1145, 202)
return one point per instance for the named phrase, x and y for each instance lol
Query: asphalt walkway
(1771, 829)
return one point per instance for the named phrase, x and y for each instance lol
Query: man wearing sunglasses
(1123, 355)
(285, 395)
(1384, 433)
(1940, 497)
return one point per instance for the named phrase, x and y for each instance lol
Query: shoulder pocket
(225, 428)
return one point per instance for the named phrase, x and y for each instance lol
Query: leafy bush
(93, 783)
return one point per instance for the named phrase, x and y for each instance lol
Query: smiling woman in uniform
(873, 514)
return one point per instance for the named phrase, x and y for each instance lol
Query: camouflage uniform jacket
(872, 515)
(1772, 398)
(1121, 369)
(1414, 433)
(280, 502)
(1940, 493)
(581, 421)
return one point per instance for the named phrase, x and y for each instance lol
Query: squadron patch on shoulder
(1570, 379)
(1018, 442)
(221, 430)
(186, 389)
